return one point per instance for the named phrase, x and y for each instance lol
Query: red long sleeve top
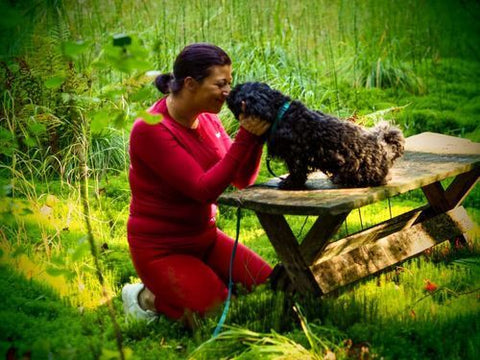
(176, 174)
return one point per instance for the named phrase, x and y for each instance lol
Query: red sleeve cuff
(245, 135)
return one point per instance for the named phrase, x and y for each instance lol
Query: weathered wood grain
(319, 235)
(429, 158)
(372, 234)
(287, 248)
(359, 259)
(461, 187)
(317, 266)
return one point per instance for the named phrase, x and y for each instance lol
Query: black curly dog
(349, 154)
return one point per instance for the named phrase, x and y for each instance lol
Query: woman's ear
(190, 83)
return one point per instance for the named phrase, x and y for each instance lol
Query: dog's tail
(392, 137)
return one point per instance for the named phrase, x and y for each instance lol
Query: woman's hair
(195, 61)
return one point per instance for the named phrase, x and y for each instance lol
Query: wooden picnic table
(320, 265)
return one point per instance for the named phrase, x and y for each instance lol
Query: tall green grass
(327, 54)
(416, 62)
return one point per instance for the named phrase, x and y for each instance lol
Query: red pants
(192, 272)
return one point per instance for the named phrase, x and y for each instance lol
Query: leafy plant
(69, 98)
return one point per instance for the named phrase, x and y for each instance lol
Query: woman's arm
(248, 169)
(155, 147)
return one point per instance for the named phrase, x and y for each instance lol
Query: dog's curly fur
(349, 154)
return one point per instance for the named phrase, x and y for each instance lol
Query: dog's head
(260, 100)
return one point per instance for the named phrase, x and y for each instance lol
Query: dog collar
(281, 112)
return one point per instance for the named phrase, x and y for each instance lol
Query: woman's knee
(182, 282)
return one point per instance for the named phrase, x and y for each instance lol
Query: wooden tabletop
(429, 157)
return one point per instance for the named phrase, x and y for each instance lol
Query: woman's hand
(253, 124)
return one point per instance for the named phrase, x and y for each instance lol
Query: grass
(388, 314)
(415, 63)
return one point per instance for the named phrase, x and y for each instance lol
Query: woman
(178, 169)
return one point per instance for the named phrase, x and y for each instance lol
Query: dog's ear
(257, 100)
(260, 100)
(242, 93)
(266, 102)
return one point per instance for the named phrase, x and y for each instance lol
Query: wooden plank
(280, 279)
(383, 229)
(443, 200)
(370, 257)
(316, 202)
(429, 142)
(320, 233)
(435, 195)
(461, 187)
(429, 158)
(287, 249)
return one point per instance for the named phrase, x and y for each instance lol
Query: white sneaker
(132, 308)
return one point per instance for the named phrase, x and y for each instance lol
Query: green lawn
(69, 98)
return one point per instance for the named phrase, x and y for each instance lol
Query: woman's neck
(181, 112)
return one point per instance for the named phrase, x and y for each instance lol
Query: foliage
(69, 97)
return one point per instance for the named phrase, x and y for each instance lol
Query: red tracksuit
(176, 175)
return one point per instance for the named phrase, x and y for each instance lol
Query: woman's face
(211, 93)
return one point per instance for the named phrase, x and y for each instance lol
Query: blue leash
(230, 280)
(283, 109)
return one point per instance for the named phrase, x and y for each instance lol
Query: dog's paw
(291, 184)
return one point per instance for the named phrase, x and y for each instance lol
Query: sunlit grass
(48, 244)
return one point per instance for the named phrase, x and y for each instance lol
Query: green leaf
(18, 252)
(7, 150)
(7, 218)
(26, 211)
(119, 121)
(125, 59)
(36, 128)
(144, 93)
(108, 354)
(100, 121)
(100, 64)
(112, 92)
(8, 143)
(149, 118)
(11, 16)
(58, 260)
(105, 117)
(6, 190)
(66, 97)
(29, 141)
(54, 82)
(5, 134)
(80, 251)
(53, 271)
(73, 50)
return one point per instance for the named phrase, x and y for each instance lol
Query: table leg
(319, 235)
(287, 248)
(442, 200)
(461, 187)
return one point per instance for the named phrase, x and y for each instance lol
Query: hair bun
(162, 82)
